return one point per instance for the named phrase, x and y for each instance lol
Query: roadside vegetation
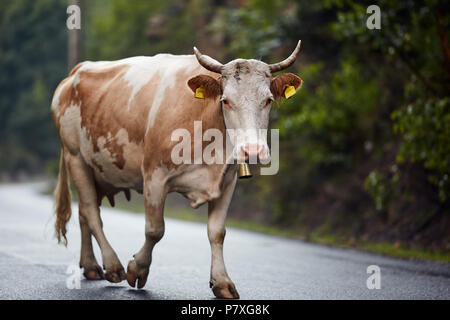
(177, 209)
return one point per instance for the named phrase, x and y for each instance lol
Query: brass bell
(244, 171)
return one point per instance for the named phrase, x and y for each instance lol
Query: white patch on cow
(76, 79)
(141, 71)
(155, 187)
(55, 100)
(70, 124)
(100, 65)
(170, 65)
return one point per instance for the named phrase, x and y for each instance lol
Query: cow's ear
(205, 86)
(281, 86)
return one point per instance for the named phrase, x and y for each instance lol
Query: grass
(390, 249)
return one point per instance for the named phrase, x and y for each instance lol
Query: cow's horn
(286, 63)
(208, 62)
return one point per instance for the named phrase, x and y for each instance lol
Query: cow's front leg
(154, 197)
(220, 282)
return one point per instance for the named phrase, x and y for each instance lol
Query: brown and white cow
(115, 121)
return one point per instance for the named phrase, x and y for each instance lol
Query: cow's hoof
(135, 273)
(115, 274)
(93, 272)
(224, 290)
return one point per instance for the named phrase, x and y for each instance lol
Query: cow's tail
(62, 201)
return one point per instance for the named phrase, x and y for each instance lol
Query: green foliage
(32, 62)
(425, 128)
(323, 129)
(411, 44)
(334, 113)
(252, 30)
(116, 29)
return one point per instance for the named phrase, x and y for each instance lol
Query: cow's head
(246, 89)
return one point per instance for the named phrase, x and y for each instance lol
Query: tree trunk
(75, 40)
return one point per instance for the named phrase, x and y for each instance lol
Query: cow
(115, 120)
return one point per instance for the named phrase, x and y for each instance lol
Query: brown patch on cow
(241, 67)
(279, 83)
(237, 72)
(116, 150)
(211, 87)
(104, 95)
(183, 109)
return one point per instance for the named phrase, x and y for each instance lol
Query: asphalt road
(33, 266)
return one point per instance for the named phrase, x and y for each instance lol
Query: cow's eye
(224, 101)
(269, 101)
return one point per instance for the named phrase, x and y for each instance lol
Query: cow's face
(246, 90)
(246, 101)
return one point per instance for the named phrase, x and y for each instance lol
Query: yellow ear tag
(289, 92)
(199, 93)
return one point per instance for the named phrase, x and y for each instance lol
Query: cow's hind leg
(154, 197)
(91, 223)
(92, 270)
(220, 282)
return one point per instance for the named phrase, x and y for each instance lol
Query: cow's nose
(253, 152)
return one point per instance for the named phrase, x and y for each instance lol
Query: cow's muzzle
(253, 153)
